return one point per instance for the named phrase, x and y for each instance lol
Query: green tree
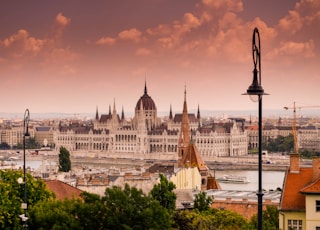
(163, 192)
(280, 144)
(202, 202)
(93, 212)
(31, 143)
(12, 196)
(86, 213)
(130, 208)
(64, 160)
(55, 214)
(270, 219)
(210, 219)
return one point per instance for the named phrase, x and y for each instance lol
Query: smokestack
(315, 168)
(294, 163)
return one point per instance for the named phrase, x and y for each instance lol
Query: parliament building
(147, 136)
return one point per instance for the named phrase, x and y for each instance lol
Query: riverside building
(146, 137)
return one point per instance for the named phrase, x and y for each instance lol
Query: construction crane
(294, 122)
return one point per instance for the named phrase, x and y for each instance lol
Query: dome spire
(97, 114)
(145, 87)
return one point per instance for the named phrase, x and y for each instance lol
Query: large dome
(147, 102)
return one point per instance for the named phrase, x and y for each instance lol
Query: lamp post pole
(260, 194)
(256, 90)
(25, 133)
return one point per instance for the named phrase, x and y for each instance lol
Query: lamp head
(255, 90)
(26, 122)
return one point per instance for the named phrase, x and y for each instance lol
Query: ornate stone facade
(145, 136)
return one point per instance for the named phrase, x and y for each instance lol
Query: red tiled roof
(63, 190)
(292, 199)
(313, 188)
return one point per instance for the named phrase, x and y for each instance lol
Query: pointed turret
(170, 113)
(122, 115)
(115, 117)
(114, 111)
(199, 118)
(109, 109)
(97, 114)
(145, 88)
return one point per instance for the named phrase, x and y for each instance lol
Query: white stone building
(145, 136)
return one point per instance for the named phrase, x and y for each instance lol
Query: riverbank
(278, 163)
(221, 166)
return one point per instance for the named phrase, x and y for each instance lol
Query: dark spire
(109, 109)
(122, 114)
(170, 113)
(198, 114)
(145, 87)
(97, 114)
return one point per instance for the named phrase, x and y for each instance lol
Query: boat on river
(233, 179)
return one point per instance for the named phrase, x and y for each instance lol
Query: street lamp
(25, 134)
(255, 91)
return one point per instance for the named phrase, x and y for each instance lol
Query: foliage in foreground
(209, 219)
(12, 196)
(127, 208)
(270, 219)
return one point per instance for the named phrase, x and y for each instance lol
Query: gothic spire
(170, 113)
(122, 115)
(97, 114)
(184, 139)
(114, 107)
(145, 87)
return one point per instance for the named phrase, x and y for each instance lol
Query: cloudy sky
(72, 56)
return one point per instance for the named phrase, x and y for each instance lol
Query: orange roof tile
(313, 188)
(63, 190)
(292, 199)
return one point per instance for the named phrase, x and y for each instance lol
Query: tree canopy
(202, 202)
(163, 192)
(280, 144)
(12, 196)
(64, 160)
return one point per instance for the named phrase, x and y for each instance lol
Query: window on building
(295, 224)
(317, 205)
(317, 228)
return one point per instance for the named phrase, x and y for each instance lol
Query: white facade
(144, 135)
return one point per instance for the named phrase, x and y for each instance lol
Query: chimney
(294, 163)
(315, 168)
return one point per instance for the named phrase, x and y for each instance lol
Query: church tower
(184, 137)
(188, 154)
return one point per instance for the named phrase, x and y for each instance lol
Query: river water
(271, 180)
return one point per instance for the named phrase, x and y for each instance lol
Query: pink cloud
(106, 41)
(21, 44)
(46, 51)
(62, 20)
(131, 34)
(230, 5)
(59, 25)
(143, 52)
(294, 50)
(291, 23)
